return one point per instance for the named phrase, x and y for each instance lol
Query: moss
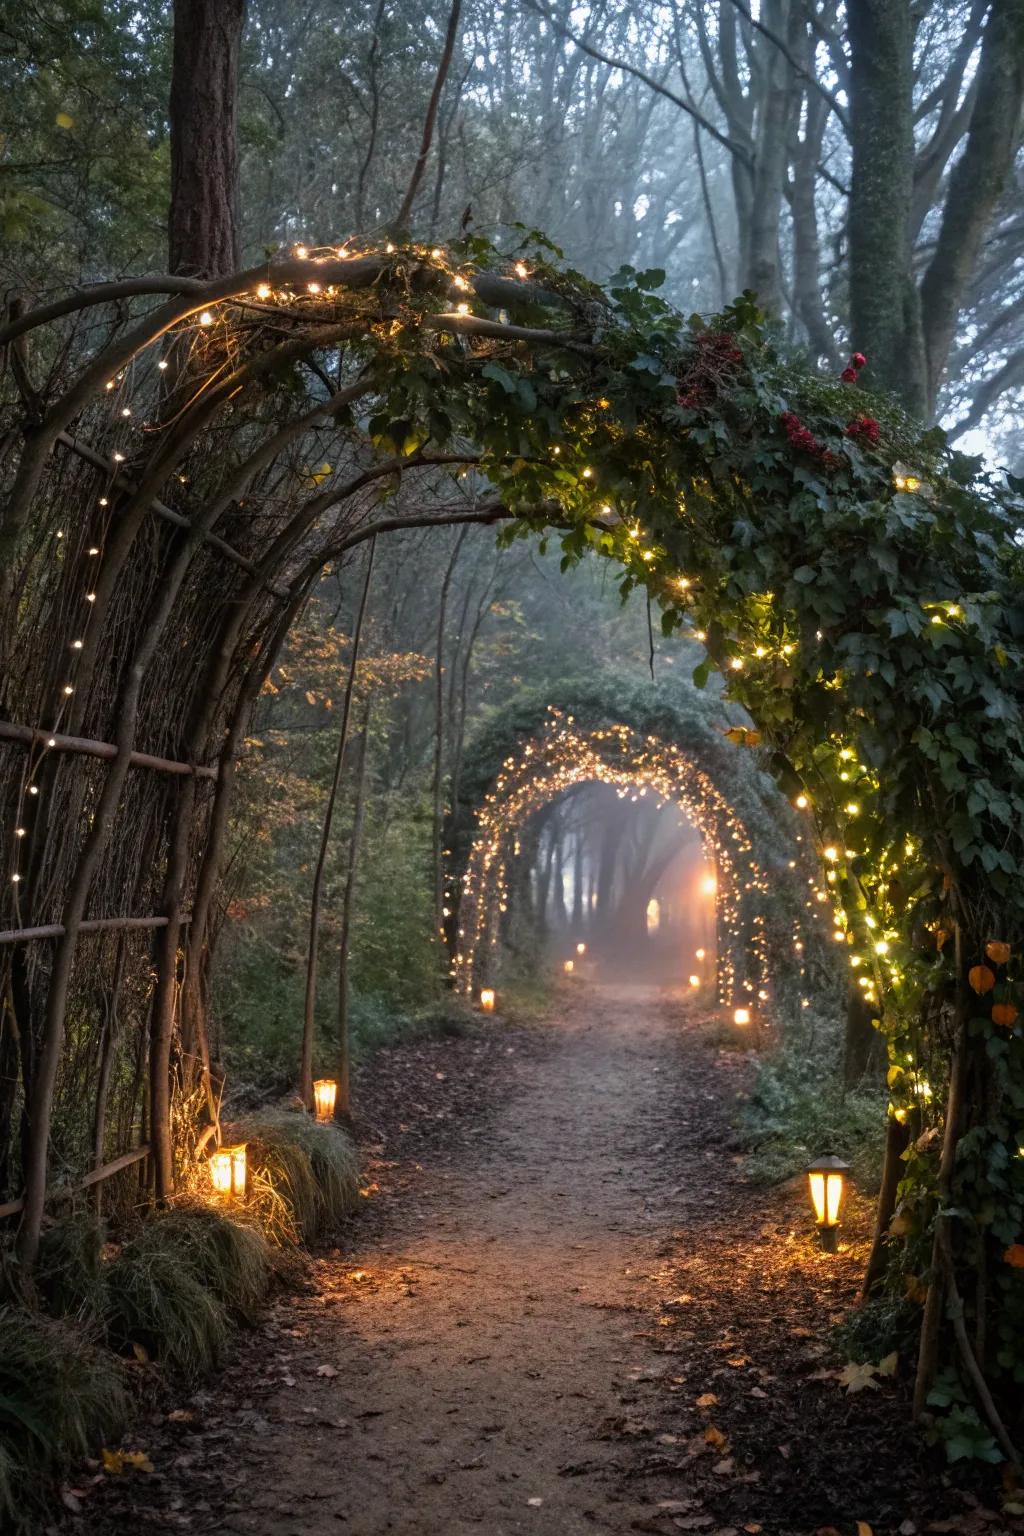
(61, 1396)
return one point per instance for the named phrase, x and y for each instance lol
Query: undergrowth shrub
(799, 1109)
(61, 1396)
(303, 1177)
(69, 1268)
(175, 1289)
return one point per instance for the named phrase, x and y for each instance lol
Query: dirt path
(584, 1320)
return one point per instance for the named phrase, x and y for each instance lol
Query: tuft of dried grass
(303, 1176)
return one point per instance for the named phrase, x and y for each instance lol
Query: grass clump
(69, 1268)
(60, 1397)
(798, 1109)
(303, 1177)
(175, 1289)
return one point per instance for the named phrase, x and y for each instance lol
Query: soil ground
(564, 1309)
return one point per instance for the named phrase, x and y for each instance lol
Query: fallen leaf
(856, 1377)
(714, 1436)
(535, 1503)
(725, 1468)
(115, 1462)
(863, 1529)
(887, 1366)
(326, 1370)
(707, 1400)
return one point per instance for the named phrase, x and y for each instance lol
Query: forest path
(572, 1314)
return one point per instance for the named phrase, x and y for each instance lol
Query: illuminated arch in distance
(562, 756)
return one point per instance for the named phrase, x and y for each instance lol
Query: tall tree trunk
(975, 183)
(885, 321)
(316, 895)
(343, 1100)
(439, 735)
(202, 226)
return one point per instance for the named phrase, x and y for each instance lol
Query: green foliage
(175, 1288)
(61, 1396)
(798, 1109)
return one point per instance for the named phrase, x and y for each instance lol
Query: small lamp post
(581, 948)
(325, 1096)
(741, 1016)
(487, 999)
(695, 981)
(568, 966)
(227, 1171)
(826, 1181)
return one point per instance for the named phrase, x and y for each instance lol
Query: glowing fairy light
(205, 317)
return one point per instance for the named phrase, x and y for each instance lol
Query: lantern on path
(325, 1095)
(741, 1016)
(694, 981)
(568, 966)
(227, 1171)
(487, 999)
(826, 1180)
(581, 948)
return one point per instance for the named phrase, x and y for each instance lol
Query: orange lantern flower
(1004, 1013)
(997, 952)
(981, 979)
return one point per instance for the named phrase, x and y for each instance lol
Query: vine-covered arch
(561, 757)
(858, 587)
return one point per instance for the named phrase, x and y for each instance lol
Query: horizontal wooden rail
(31, 736)
(97, 1176)
(161, 509)
(89, 925)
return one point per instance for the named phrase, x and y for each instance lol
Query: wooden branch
(160, 508)
(794, 63)
(731, 145)
(30, 736)
(88, 925)
(97, 1176)
(402, 217)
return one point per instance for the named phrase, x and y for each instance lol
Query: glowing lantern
(581, 949)
(227, 1171)
(568, 967)
(700, 954)
(325, 1093)
(826, 1179)
(694, 981)
(487, 999)
(741, 1016)
(709, 885)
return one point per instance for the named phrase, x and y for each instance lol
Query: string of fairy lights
(861, 916)
(635, 765)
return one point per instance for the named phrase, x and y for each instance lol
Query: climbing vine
(856, 583)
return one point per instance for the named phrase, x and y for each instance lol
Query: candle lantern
(227, 1171)
(741, 1016)
(325, 1095)
(487, 999)
(581, 948)
(694, 981)
(568, 967)
(826, 1180)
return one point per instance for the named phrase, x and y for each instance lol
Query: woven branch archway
(858, 587)
(553, 763)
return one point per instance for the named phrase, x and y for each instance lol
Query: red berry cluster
(864, 426)
(803, 438)
(716, 356)
(853, 368)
